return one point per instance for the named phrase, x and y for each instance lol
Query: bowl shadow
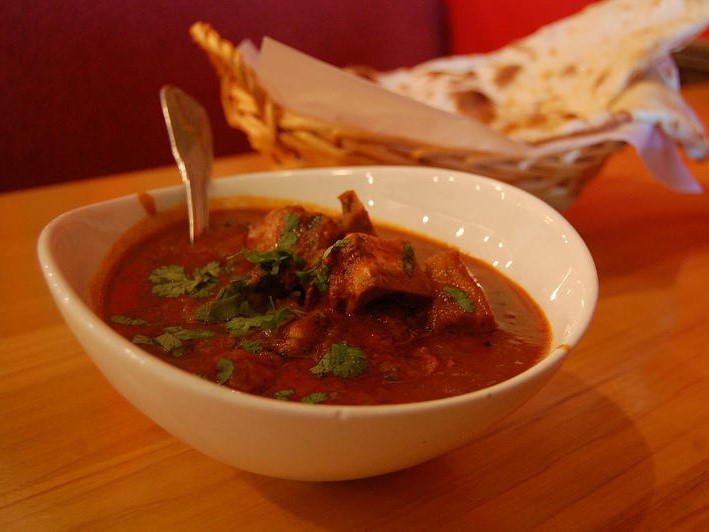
(533, 469)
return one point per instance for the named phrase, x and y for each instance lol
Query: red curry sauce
(394, 354)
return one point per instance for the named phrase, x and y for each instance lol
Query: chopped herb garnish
(337, 244)
(315, 398)
(461, 298)
(292, 221)
(341, 360)
(283, 395)
(229, 302)
(173, 281)
(125, 320)
(407, 259)
(289, 236)
(288, 240)
(141, 339)
(171, 343)
(270, 261)
(172, 339)
(252, 346)
(225, 369)
(272, 319)
(319, 275)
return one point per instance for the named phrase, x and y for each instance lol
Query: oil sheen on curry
(301, 306)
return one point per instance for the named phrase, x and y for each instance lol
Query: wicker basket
(292, 140)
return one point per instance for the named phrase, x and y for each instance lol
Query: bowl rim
(100, 330)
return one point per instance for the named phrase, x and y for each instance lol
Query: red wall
(80, 78)
(478, 26)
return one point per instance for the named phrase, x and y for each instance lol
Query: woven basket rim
(292, 140)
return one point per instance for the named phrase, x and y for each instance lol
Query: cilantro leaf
(172, 339)
(141, 339)
(461, 298)
(341, 360)
(342, 242)
(188, 334)
(283, 255)
(225, 369)
(229, 302)
(292, 221)
(319, 275)
(271, 319)
(288, 240)
(173, 281)
(315, 398)
(270, 261)
(171, 343)
(125, 320)
(252, 346)
(205, 280)
(168, 281)
(289, 236)
(283, 395)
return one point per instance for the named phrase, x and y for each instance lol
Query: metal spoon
(191, 140)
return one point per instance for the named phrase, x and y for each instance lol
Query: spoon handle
(191, 141)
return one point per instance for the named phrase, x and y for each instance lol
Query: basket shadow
(631, 227)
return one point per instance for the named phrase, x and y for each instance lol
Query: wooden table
(618, 440)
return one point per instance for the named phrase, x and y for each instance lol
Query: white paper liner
(318, 90)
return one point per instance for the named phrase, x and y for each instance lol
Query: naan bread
(608, 64)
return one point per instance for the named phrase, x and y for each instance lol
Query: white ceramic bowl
(506, 227)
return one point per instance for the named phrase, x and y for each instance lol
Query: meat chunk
(459, 300)
(266, 233)
(300, 336)
(355, 218)
(368, 267)
(307, 233)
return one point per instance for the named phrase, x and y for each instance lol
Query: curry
(297, 305)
